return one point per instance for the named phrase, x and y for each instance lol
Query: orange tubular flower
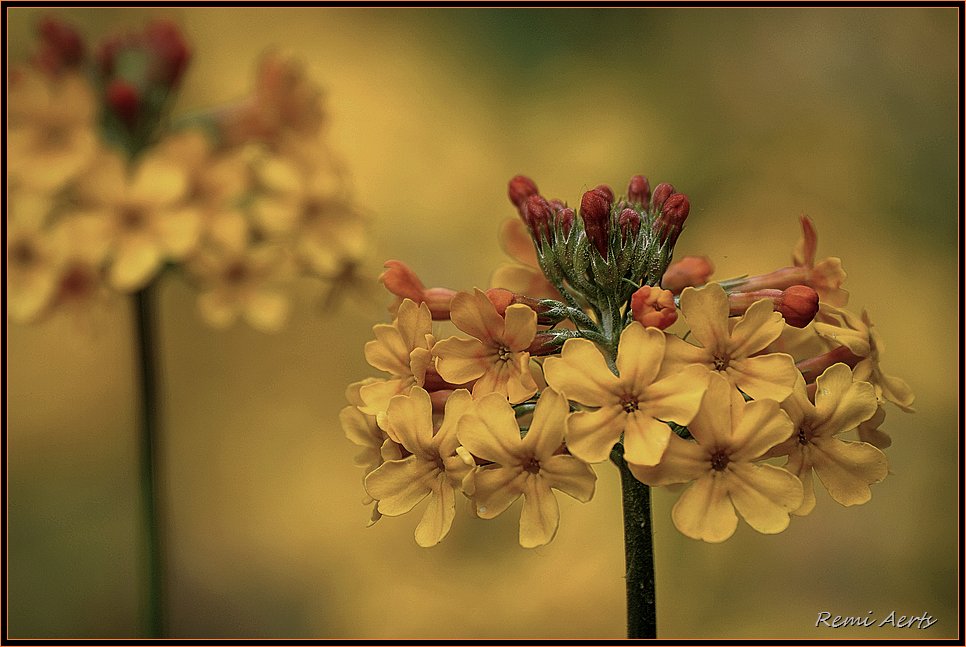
(690, 271)
(403, 282)
(797, 304)
(653, 307)
(497, 357)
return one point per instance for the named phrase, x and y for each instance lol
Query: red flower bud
(673, 214)
(125, 101)
(595, 210)
(519, 189)
(606, 191)
(538, 215)
(661, 193)
(566, 219)
(400, 280)
(690, 271)
(61, 46)
(107, 54)
(630, 224)
(171, 54)
(653, 306)
(798, 305)
(639, 191)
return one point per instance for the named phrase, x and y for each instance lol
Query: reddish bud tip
(519, 189)
(630, 223)
(652, 306)
(639, 191)
(673, 214)
(538, 214)
(798, 305)
(595, 211)
(61, 46)
(566, 219)
(690, 271)
(661, 193)
(501, 299)
(124, 100)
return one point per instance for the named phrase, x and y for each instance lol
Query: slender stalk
(638, 552)
(146, 338)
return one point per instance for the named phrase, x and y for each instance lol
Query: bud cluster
(617, 244)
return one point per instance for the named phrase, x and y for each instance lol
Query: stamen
(719, 460)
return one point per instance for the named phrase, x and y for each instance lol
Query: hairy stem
(638, 552)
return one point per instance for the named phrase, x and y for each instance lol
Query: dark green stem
(149, 461)
(638, 552)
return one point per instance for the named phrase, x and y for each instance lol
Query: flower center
(23, 253)
(54, 136)
(236, 273)
(132, 218)
(77, 282)
(532, 465)
(719, 460)
(803, 435)
(629, 403)
(312, 210)
(721, 362)
(504, 353)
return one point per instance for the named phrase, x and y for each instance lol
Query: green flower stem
(146, 338)
(638, 552)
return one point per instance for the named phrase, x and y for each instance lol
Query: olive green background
(759, 115)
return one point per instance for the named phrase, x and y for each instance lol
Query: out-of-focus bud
(690, 271)
(538, 216)
(630, 224)
(169, 52)
(652, 306)
(673, 214)
(595, 211)
(124, 100)
(403, 282)
(566, 219)
(519, 189)
(661, 193)
(61, 46)
(107, 54)
(639, 191)
(797, 304)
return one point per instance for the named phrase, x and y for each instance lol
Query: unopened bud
(630, 224)
(549, 312)
(124, 101)
(606, 191)
(652, 306)
(519, 189)
(595, 211)
(61, 46)
(661, 193)
(557, 204)
(400, 280)
(813, 367)
(673, 214)
(639, 191)
(566, 219)
(538, 215)
(797, 304)
(170, 52)
(690, 271)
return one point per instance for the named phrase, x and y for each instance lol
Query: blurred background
(758, 115)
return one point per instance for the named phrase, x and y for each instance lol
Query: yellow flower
(846, 468)
(731, 435)
(241, 282)
(634, 403)
(142, 212)
(497, 357)
(841, 327)
(362, 430)
(732, 347)
(51, 131)
(34, 252)
(531, 466)
(402, 349)
(432, 469)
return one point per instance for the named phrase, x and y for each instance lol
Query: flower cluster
(106, 189)
(570, 360)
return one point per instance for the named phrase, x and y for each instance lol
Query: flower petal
(570, 475)
(520, 327)
(439, 515)
(549, 425)
(841, 404)
(135, 263)
(757, 328)
(639, 354)
(540, 515)
(496, 488)
(677, 396)
(581, 374)
(490, 432)
(769, 376)
(460, 360)
(762, 426)
(706, 311)
(400, 485)
(474, 314)
(683, 461)
(266, 310)
(704, 511)
(410, 418)
(848, 468)
(764, 495)
(645, 439)
(592, 434)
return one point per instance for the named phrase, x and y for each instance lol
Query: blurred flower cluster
(592, 346)
(106, 188)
